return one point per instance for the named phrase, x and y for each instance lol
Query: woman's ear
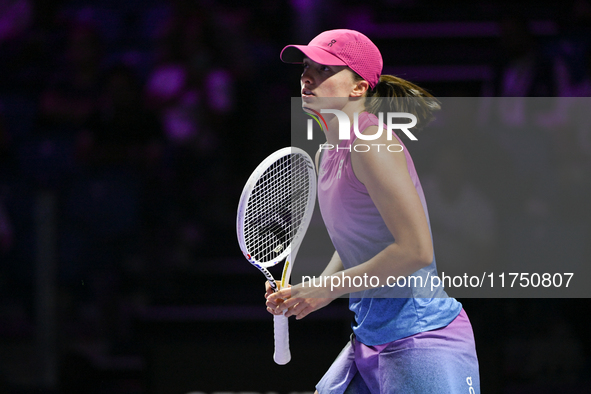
(359, 89)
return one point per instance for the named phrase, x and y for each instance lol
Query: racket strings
(276, 207)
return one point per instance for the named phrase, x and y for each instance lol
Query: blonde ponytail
(393, 94)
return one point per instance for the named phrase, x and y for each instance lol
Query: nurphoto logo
(345, 127)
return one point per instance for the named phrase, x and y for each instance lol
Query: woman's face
(327, 86)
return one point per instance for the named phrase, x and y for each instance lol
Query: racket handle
(282, 354)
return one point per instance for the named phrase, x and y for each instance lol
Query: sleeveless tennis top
(358, 233)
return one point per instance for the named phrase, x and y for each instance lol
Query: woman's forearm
(393, 261)
(334, 265)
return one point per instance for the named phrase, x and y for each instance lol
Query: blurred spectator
(4, 140)
(578, 114)
(570, 160)
(30, 40)
(188, 87)
(513, 120)
(583, 87)
(122, 133)
(124, 145)
(463, 219)
(6, 234)
(72, 98)
(111, 208)
(192, 88)
(568, 122)
(542, 134)
(15, 18)
(572, 45)
(523, 70)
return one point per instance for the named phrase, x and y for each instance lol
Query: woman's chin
(309, 99)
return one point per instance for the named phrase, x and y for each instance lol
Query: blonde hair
(394, 94)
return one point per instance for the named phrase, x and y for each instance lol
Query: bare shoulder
(379, 157)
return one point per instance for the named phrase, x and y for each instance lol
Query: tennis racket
(275, 209)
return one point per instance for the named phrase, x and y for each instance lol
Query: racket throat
(286, 272)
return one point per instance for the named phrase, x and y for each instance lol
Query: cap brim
(296, 54)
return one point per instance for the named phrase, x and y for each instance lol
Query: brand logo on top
(345, 127)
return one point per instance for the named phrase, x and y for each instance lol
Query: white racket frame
(282, 353)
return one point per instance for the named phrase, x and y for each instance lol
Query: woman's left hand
(300, 300)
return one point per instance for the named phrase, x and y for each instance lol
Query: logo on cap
(331, 42)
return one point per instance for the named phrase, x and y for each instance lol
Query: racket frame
(289, 253)
(282, 354)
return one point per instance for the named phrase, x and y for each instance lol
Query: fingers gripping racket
(273, 215)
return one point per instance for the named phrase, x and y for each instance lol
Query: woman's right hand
(272, 305)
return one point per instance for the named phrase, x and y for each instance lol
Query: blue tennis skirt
(441, 361)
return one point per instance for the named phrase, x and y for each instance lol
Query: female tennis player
(408, 339)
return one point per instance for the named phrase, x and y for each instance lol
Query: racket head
(276, 206)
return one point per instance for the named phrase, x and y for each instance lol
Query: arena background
(128, 128)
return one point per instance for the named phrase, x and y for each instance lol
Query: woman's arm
(388, 182)
(334, 265)
(385, 175)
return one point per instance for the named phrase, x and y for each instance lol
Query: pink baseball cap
(340, 47)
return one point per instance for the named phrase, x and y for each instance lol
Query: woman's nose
(306, 77)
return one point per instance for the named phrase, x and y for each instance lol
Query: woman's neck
(332, 134)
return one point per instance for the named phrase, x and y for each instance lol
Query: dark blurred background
(128, 128)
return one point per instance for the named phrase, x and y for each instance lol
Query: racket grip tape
(282, 354)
